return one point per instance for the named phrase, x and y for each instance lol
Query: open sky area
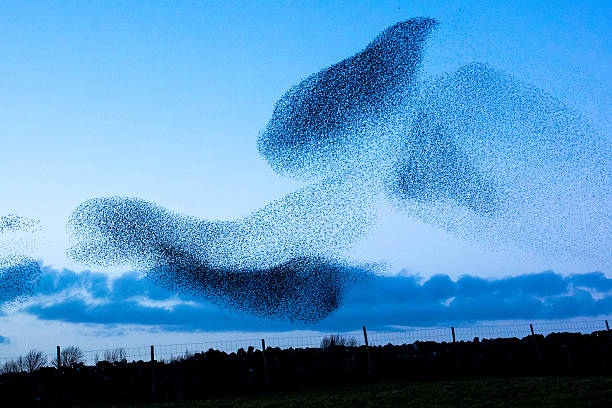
(164, 101)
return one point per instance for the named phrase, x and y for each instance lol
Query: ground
(487, 392)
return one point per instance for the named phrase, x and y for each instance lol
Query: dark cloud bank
(401, 300)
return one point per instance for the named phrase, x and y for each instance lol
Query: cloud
(407, 300)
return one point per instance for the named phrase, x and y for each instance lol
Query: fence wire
(173, 352)
(437, 334)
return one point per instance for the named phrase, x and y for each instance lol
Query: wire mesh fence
(170, 352)
(437, 334)
(173, 352)
(91, 357)
(492, 332)
(584, 327)
(311, 341)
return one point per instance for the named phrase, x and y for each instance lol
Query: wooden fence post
(535, 343)
(455, 348)
(265, 362)
(59, 358)
(365, 337)
(152, 372)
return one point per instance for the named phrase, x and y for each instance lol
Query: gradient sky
(165, 100)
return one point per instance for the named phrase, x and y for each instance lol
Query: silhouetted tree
(69, 356)
(14, 366)
(114, 356)
(34, 360)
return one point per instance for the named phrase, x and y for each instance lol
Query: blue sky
(164, 101)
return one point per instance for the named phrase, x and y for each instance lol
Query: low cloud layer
(400, 300)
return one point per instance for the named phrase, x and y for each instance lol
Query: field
(486, 392)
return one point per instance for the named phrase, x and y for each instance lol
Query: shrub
(338, 340)
(182, 357)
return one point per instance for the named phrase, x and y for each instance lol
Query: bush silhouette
(338, 340)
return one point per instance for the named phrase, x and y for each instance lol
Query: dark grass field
(486, 392)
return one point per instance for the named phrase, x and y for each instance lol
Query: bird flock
(19, 272)
(475, 152)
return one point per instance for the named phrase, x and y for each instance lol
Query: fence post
(607, 326)
(152, 372)
(365, 337)
(535, 343)
(265, 362)
(59, 358)
(455, 348)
